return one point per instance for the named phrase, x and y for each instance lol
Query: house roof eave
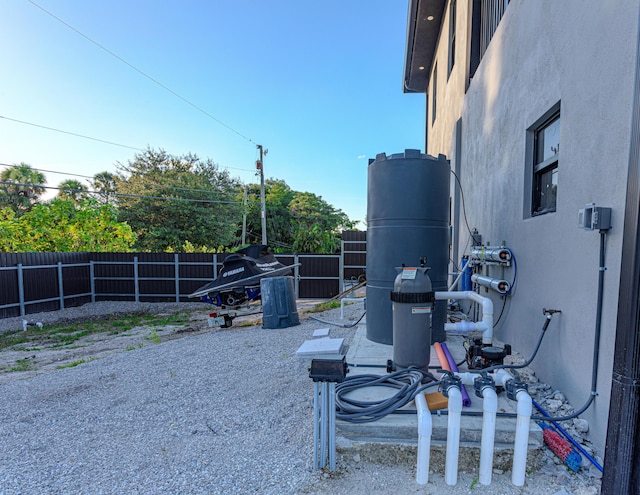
(424, 22)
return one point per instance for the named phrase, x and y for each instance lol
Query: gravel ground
(220, 412)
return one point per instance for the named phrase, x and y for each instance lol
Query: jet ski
(238, 281)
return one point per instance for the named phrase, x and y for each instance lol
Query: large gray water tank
(407, 219)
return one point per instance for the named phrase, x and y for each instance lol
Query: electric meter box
(593, 217)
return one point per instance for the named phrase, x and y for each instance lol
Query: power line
(51, 171)
(271, 208)
(188, 102)
(93, 139)
(71, 133)
(117, 194)
(93, 177)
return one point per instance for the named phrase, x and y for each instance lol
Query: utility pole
(263, 212)
(244, 217)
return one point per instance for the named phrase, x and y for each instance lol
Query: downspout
(621, 474)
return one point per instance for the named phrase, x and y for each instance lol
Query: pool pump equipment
(480, 356)
(412, 303)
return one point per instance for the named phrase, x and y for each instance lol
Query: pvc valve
(483, 382)
(514, 386)
(448, 381)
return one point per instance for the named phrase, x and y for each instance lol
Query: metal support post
(92, 280)
(316, 425)
(325, 374)
(296, 275)
(341, 267)
(136, 283)
(176, 271)
(60, 285)
(331, 411)
(324, 412)
(21, 289)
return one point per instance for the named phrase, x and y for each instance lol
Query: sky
(317, 84)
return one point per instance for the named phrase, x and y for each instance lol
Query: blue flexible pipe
(568, 437)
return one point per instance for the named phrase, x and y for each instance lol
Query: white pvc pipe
(485, 326)
(465, 326)
(425, 428)
(521, 443)
(453, 436)
(489, 409)
(455, 282)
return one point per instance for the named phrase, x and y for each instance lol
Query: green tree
(65, 226)
(73, 190)
(316, 224)
(104, 183)
(296, 221)
(20, 187)
(169, 200)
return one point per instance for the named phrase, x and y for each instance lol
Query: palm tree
(20, 187)
(104, 183)
(72, 189)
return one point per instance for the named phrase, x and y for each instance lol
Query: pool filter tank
(407, 219)
(412, 301)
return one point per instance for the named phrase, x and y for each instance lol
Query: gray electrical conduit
(596, 343)
(343, 325)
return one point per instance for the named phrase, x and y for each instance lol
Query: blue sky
(319, 84)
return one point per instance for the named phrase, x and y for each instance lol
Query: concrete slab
(402, 429)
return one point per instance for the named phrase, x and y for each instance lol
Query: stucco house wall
(544, 52)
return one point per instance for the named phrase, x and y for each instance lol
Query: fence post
(21, 289)
(341, 266)
(60, 285)
(177, 274)
(92, 280)
(135, 279)
(296, 275)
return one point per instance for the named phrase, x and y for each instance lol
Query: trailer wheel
(230, 300)
(228, 321)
